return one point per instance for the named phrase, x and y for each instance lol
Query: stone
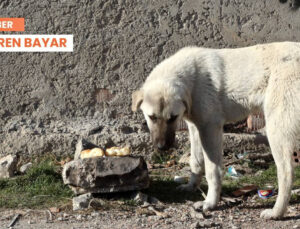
(198, 205)
(185, 158)
(106, 174)
(235, 227)
(95, 214)
(206, 224)
(8, 166)
(82, 201)
(158, 213)
(54, 210)
(79, 217)
(196, 214)
(140, 198)
(296, 192)
(195, 225)
(155, 201)
(24, 168)
(230, 200)
(96, 203)
(81, 145)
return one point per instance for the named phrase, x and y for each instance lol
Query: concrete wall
(116, 44)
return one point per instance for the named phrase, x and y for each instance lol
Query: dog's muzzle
(164, 144)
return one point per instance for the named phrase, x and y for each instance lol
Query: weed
(161, 157)
(164, 188)
(41, 186)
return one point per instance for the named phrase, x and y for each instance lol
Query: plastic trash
(233, 173)
(266, 192)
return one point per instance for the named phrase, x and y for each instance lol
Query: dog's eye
(172, 119)
(153, 117)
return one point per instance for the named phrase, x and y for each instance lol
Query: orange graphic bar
(12, 24)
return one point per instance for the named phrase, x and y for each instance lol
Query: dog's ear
(137, 99)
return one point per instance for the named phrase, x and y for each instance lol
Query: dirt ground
(243, 215)
(173, 210)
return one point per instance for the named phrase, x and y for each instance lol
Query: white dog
(209, 87)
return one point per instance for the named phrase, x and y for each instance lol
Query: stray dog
(210, 87)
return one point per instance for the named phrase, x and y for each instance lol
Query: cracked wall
(116, 44)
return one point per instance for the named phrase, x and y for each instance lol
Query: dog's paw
(203, 206)
(186, 187)
(269, 214)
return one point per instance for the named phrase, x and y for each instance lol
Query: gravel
(241, 216)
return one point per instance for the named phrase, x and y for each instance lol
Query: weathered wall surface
(48, 99)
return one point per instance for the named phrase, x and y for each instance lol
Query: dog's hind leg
(196, 159)
(211, 137)
(282, 109)
(282, 146)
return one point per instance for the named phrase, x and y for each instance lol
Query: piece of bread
(96, 152)
(118, 151)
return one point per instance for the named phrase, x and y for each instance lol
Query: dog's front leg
(211, 138)
(196, 159)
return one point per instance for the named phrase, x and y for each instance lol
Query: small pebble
(235, 227)
(195, 225)
(95, 214)
(79, 217)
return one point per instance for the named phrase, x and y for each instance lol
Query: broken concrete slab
(8, 166)
(106, 174)
(82, 201)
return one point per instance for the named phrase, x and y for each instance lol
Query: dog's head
(162, 110)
